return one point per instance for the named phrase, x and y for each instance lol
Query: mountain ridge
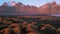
(21, 9)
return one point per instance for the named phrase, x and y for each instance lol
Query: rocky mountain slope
(21, 9)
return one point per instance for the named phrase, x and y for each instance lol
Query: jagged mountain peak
(20, 3)
(53, 3)
(11, 3)
(5, 4)
(22, 9)
(50, 3)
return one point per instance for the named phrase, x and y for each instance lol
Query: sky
(31, 2)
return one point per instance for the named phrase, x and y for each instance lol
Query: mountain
(5, 9)
(26, 9)
(14, 8)
(11, 3)
(5, 4)
(50, 8)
